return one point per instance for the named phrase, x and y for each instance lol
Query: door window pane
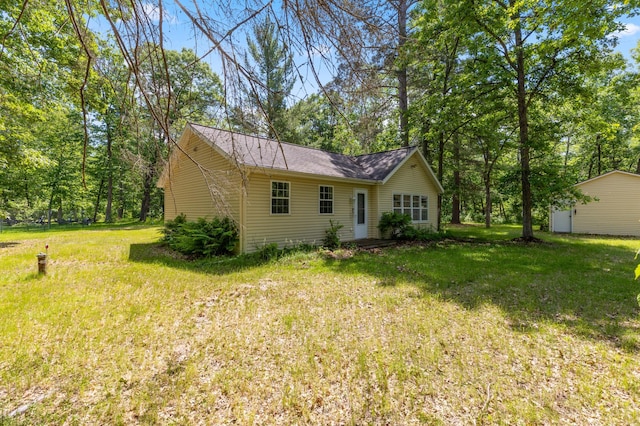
(360, 208)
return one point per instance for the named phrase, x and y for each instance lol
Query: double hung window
(326, 199)
(280, 197)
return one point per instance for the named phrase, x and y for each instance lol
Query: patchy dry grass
(488, 332)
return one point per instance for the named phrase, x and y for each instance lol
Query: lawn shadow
(588, 289)
(158, 253)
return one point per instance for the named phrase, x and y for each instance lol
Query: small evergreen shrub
(201, 238)
(332, 237)
(172, 228)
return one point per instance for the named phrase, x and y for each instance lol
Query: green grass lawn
(475, 330)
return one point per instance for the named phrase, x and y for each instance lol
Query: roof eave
(607, 174)
(271, 170)
(191, 129)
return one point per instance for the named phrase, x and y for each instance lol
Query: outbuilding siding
(617, 208)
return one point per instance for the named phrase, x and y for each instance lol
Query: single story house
(614, 209)
(286, 194)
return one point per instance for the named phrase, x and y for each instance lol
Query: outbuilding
(283, 193)
(614, 208)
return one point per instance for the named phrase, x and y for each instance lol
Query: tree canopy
(513, 102)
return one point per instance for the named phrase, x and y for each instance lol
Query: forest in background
(512, 102)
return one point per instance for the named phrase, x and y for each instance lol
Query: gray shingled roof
(262, 152)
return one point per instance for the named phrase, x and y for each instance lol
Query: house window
(279, 197)
(416, 206)
(326, 199)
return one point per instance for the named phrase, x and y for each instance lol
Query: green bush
(201, 238)
(268, 252)
(420, 234)
(400, 228)
(332, 237)
(172, 228)
(395, 223)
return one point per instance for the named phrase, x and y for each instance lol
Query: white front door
(360, 214)
(561, 220)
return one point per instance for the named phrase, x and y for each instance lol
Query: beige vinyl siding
(617, 211)
(304, 223)
(187, 189)
(411, 178)
(374, 215)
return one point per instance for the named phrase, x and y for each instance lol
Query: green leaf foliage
(201, 238)
(394, 224)
(332, 235)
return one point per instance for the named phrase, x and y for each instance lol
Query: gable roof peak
(604, 175)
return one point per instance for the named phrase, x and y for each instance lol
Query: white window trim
(333, 197)
(271, 198)
(410, 208)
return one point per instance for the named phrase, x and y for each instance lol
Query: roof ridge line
(351, 157)
(270, 139)
(387, 151)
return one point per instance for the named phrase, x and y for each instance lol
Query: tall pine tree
(274, 78)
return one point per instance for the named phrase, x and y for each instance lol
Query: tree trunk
(487, 197)
(49, 210)
(599, 150)
(97, 206)
(403, 99)
(146, 198)
(566, 153)
(457, 184)
(525, 154)
(54, 190)
(149, 177)
(26, 193)
(107, 211)
(121, 197)
(108, 218)
(441, 144)
(426, 143)
(503, 212)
